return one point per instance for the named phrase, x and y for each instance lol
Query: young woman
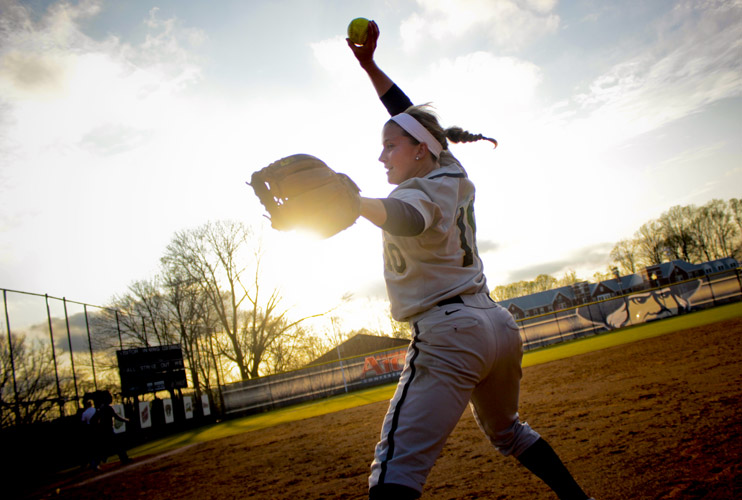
(465, 348)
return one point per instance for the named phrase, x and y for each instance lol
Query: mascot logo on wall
(642, 307)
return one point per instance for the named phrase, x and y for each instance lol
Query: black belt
(453, 300)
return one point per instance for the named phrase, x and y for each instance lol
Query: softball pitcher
(465, 348)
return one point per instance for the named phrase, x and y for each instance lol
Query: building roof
(359, 345)
(622, 283)
(631, 282)
(539, 299)
(667, 267)
(719, 265)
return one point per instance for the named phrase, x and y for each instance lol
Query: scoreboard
(151, 369)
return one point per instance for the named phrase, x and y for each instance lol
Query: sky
(124, 122)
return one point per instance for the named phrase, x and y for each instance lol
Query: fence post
(72, 357)
(559, 327)
(144, 331)
(711, 289)
(16, 407)
(90, 346)
(54, 356)
(216, 369)
(118, 329)
(590, 313)
(523, 332)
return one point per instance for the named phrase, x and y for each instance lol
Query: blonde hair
(428, 119)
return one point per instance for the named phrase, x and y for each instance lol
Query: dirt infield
(655, 419)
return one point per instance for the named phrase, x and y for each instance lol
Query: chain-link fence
(314, 382)
(632, 309)
(592, 318)
(54, 351)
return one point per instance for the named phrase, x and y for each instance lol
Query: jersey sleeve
(402, 219)
(421, 202)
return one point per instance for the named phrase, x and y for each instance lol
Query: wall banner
(145, 414)
(167, 408)
(188, 407)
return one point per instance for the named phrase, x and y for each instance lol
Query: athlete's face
(398, 155)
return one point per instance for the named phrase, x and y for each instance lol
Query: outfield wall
(632, 309)
(75, 344)
(314, 382)
(345, 375)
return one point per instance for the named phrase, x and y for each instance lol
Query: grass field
(381, 393)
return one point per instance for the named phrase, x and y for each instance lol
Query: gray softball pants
(460, 353)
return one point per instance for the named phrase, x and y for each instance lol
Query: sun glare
(329, 275)
(296, 263)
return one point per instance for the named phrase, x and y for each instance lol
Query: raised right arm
(394, 100)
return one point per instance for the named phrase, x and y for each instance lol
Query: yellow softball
(358, 30)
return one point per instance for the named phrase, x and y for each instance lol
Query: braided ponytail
(457, 134)
(427, 118)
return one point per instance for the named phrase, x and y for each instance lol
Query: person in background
(88, 434)
(109, 442)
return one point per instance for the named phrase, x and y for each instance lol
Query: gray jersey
(442, 261)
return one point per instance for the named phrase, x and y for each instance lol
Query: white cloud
(509, 24)
(35, 55)
(52, 74)
(694, 63)
(483, 84)
(542, 6)
(83, 120)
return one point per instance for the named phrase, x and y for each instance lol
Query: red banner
(385, 363)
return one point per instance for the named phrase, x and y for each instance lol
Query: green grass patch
(268, 419)
(385, 392)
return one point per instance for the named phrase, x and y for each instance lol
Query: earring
(417, 158)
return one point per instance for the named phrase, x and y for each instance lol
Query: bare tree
(603, 276)
(625, 255)
(141, 315)
(35, 382)
(267, 326)
(400, 329)
(650, 244)
(679, 233)
(294, 351)
(568, 278)
(190, 316)
(214, 257)
(544, 282)
(735, 207)
(217, 257)
(9, 398)
(151, 305)
(716, 230)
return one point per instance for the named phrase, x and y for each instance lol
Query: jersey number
(394, 260)
(467, 230)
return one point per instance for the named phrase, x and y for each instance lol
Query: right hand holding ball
(358, 30)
